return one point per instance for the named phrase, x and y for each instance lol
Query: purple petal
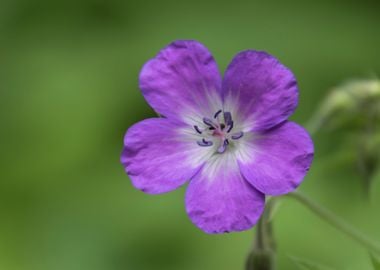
(279, 159)
(157, 157)
(261, 88)
(182, 76)
(220, 200)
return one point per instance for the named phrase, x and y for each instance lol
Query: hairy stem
(337, 222)
(262, 255)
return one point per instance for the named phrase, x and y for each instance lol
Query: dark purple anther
(237, 136)
(197, 129)
(204, 143)
(217, 113)
(231, 125)
(223, 147)
(208, 122)
(227, 118)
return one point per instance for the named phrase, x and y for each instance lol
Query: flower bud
(368, 158)
(350, 98)
(363, 90)
(261, 260)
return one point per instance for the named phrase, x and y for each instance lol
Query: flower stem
(262, 255)
(337, 222)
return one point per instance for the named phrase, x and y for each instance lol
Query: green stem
(337, 222)
(262, 255)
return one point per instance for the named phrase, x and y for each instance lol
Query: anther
(197, 129)
(223, 147)
(208, 122)
(217, 114)
(204, 143)
(231, 125)
(227, 118)
(237, 136)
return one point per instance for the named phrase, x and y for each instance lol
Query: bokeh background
(69, 91)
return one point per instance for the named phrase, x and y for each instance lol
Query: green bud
(364, 90)
(368, 158)
(349, 99)
(261, 260)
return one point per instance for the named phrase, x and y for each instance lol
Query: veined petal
(158, 157)
(220, 200)
(278, 159)
(260, 89)
(183, 77)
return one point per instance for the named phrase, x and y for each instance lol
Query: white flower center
(218, 129)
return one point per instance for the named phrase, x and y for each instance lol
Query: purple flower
(229, 138)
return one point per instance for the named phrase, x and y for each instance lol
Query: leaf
(303, 264)
(375, 262)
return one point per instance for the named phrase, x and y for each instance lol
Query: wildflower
(230, 139)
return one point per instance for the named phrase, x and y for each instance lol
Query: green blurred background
(69, 91)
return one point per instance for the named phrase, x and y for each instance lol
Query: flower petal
(158, 158)
(279, 159)
(181, 77)
(220, 200)
(261, 88)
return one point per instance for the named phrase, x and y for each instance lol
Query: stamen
(227, 118)
(208, 122)
(237, 136)
(204, 143)
(222, 148)
(217, 114)
(231, 125)
(219, 129)
(197, 129)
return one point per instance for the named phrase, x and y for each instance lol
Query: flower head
(229, 138)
